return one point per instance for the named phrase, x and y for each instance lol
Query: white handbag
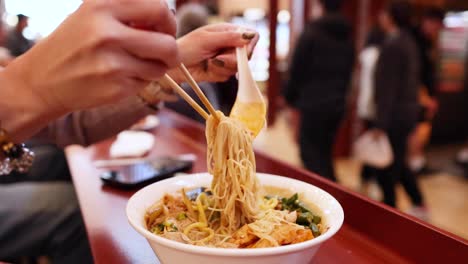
(373, 148)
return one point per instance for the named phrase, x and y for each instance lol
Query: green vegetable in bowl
(305, 217)
(315, 230)
(181, 216)
(159, 228)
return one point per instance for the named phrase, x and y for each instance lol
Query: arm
(388, 76)
(90, 126)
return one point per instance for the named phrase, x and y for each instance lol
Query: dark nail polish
(173, 11)
(218, 62)
(248, 35)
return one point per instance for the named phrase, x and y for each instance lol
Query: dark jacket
(397, 81)
(322, 65)
(427, 61)
(17, 43)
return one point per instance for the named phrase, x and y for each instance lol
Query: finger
(230, 38)
(149, 14)
(221, 27)
(151, 46)
(227, 60)
(146, 70)
(220, 73)
(122, 87)
(251, 46)
(130, 86)
(228, 57)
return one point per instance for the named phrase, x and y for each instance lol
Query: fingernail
(248, 35)
(173, 11)
(218, 62)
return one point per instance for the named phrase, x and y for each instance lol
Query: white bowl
(172, 252)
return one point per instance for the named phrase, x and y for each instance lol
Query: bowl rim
(238, 252)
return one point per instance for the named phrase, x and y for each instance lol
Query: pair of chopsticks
(187, 97)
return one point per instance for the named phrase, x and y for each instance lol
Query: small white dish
(148, 123)
(131, 144)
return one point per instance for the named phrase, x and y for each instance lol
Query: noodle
(231, 161)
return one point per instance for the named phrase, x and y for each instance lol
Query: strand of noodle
(215, 209)
(210, 234)
(187, 203)
(201, 211)
(225, 239)
(202, 228)
(165, 210)
(204, 200)
(192, 226)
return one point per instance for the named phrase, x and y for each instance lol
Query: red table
(372, 232)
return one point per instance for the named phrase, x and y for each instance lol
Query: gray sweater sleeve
(90, 126)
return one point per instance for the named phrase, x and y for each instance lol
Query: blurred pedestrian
(366, 108)
(427, 38)
(319, 80)
(16, 42)
(396, 84)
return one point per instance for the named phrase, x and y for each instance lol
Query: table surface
(372, 232)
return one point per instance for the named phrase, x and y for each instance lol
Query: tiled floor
(445, 192)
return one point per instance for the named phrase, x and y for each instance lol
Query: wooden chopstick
(185, 96)
(197, 90)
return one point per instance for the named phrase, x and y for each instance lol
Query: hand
(209, 52)
(376, 133)
(95, 57)
(83, 65)
(431, 105)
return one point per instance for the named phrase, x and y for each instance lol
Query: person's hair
(376, 37)
(331, 5)
(21, 17)
(190, 17)
(400, 12)
(434, 13)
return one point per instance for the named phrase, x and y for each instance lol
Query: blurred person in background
(190, 17)
(396, 94)
(427, 38)
(320, 76)
(461, 158)
(16, 42)
(365, 103)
